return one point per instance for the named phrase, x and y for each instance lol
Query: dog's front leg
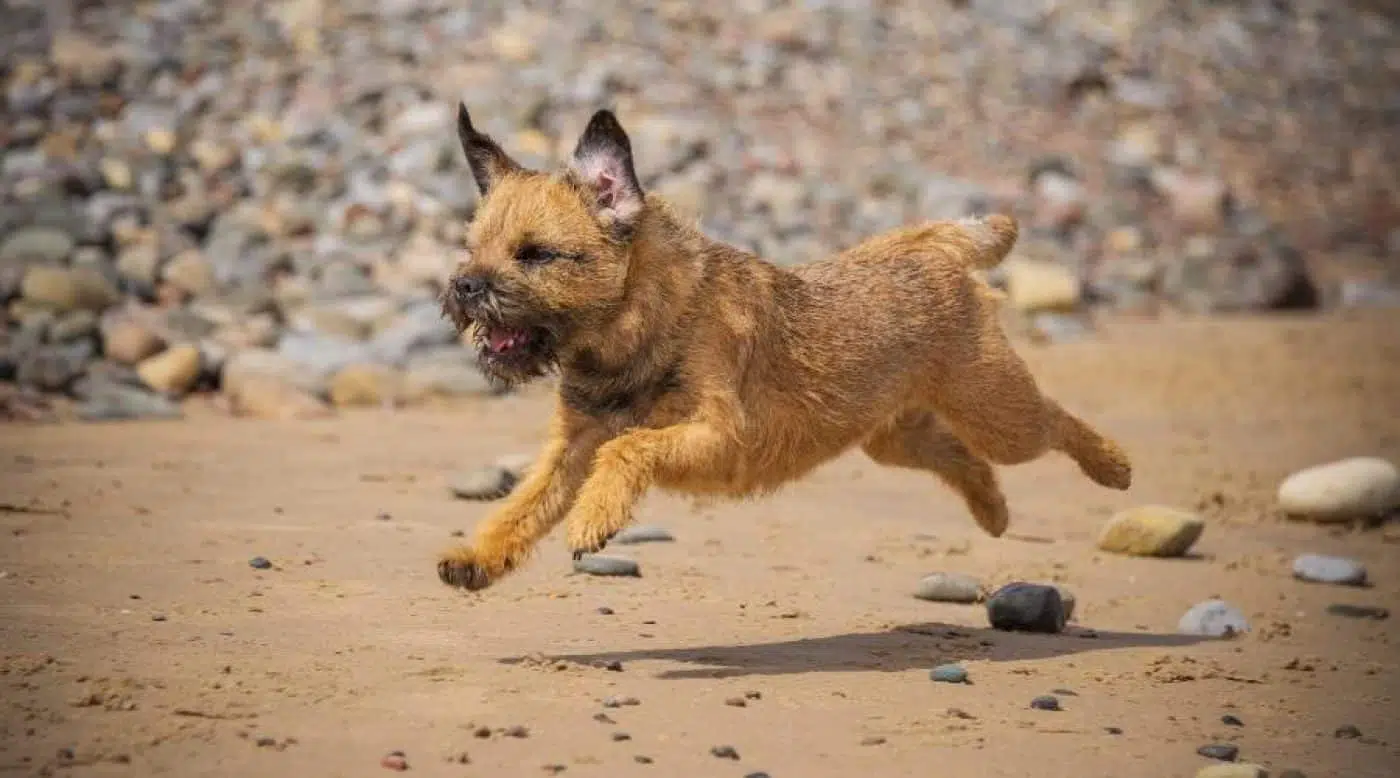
(625, 468)
(539, 502)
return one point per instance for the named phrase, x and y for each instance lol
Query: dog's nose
(468, 287)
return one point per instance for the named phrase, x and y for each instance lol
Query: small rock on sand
(949, 587)
(1345, 490)
(642, 533)
(1235, 770)
(1151, 530)
(594, 564)
(1224, 752)
(1213, 618)
(948, 674)
(1319, 568)
(1026, 607)
(173, 371)
(490, 482)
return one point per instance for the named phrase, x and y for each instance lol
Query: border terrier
(695, 367)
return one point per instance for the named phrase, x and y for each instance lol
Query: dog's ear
(488, 161)
(603, 162)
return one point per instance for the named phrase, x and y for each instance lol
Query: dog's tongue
(503, 339)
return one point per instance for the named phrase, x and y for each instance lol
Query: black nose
(468, 287)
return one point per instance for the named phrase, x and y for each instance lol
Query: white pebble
(1354, 488)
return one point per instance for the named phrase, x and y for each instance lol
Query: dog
(692, 366)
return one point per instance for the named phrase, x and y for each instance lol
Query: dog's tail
(992, 237)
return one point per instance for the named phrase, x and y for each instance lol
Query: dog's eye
(535, 255)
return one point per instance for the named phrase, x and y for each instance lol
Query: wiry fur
(692, 366)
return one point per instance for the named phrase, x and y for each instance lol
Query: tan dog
(693, 366)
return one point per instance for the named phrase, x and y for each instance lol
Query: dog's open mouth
(505, 341)
(512, 354)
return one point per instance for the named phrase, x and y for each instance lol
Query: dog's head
(547, 252)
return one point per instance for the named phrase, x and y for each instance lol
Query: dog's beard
(513, 346)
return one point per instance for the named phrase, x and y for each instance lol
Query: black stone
(1232, 721)
(1348, 732)
(1046, 702)
(724, 752)
(1026, 607)
(1359, 611)
(259, 563)
(1223, 752)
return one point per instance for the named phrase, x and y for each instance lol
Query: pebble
(618, 737)
(1213, 618)
(595, 564)
(736, 702)
(128, 342)
(260, 563)
(1026, 607)
(394, 760)
(44, 245)
(173, 371)
(873, 740)
(642, 759)
(724, 752)
(106, 400)
(757, 775)
(491, 482)
(949, 587)
(642, 533)
(621, 702)
(1372, 612)
(1233, 770)
(1151, 530)
(366, 384)
(1046, 702)
(1347, 732)
(1039, 285)
(948, 674)
(1345, 490)
(1231, 721)
(263, 397)
(1223, 752)
(1329, 569)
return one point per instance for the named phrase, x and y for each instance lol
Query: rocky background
(256, 201)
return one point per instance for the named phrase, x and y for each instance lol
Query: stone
(1348, 611)
(71, 326)
(265, 397)
(948, 674)
(445, 379)
(190, 272)
(1048, 702)
(366, 384)
(1319, 568)
(491, 482)
(139, 263)
(1026, 607)
(54, 368)
(595, 564)
(1232, 770)
(39, 244)
(322, 354)
(127, 341)
(1067, 601)
(949, 587)
(67, 289)
(1225, 752)
(1151, 530)
(265, 363)
(1349, 489)
(1038, 285)
(173, 371)
(1213, 618)
(642, 533)
(106, 400)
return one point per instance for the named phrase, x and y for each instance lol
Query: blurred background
(256, 202)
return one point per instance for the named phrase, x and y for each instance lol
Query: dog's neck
(634, 354)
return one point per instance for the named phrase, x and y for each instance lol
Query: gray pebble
(1231, 721)
(1213, 618)
(949, 587)
(1345, 610)
(491, 482)
(1223, 752)
(642, 533)
(1026, 607)
(1347, 732)
(594, 564)
(948, 674)
(724, 752)
(1046, 702)
(259, 563)
(1319, 568)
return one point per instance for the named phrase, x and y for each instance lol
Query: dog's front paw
(463, 569)
(588, 537)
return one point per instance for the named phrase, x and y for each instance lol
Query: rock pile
(263, 198)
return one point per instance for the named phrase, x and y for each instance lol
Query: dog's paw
(462, 569)
(588, 538)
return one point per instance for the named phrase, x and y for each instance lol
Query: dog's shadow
(906, 647)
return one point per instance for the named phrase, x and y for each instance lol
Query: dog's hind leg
(915, 439)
